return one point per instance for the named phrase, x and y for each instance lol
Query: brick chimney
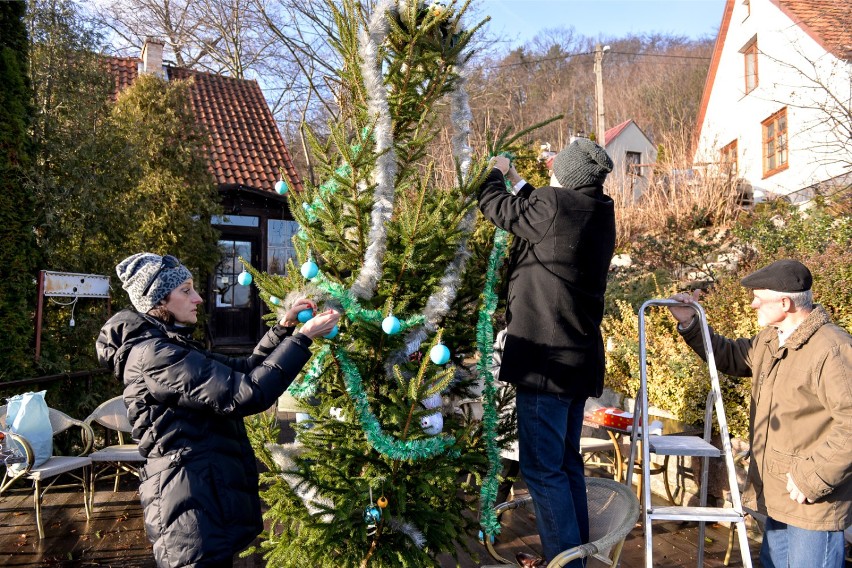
(152, 57)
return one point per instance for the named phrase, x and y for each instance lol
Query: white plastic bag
(27, 415)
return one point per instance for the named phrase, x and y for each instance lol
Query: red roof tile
(828, 22)
(246, 147)
(612, 133)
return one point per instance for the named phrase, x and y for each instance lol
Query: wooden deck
(115, 536)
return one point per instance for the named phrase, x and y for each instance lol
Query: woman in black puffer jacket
(199, 485)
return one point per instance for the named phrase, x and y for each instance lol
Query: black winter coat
(186, 405)
(558, 265)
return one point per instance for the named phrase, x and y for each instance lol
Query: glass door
(235, 318)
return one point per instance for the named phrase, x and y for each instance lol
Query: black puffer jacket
(558, 265)
(186, 406)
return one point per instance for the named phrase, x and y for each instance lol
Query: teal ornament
(244, 278)
(372, 515)
(482, 538)
(309, 269)
(274, 300)
(305, 315)
(306, 206)
(390, 325)
(439, 354)
(281, 187)
(331, 334)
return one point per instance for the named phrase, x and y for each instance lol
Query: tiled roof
(246, 146)
(828, 22)
(612, 133)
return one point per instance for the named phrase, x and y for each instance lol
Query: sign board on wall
(71, 285)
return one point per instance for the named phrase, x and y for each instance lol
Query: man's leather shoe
(530, 560)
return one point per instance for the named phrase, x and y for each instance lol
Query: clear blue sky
(519, 20)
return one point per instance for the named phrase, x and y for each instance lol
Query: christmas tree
(374, 478)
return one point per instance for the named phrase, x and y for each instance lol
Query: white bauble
(432, 424)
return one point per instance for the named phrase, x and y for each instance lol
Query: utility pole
(600, 127)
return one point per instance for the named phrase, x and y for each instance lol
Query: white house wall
(791, 66)
(631, 139)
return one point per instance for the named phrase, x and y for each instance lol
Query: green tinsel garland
(329, 187)
(307, 385)
(485, 345)
(352, 307)
(383, 443)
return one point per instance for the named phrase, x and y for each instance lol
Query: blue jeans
(786, 546)
(549, 427)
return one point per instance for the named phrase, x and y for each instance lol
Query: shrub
(678, 380)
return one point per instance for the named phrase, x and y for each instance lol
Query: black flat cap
(781, 276)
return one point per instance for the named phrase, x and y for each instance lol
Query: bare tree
(286, 46)
(820, 88)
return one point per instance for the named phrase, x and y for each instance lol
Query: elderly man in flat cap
(564, 236)
(800, 473)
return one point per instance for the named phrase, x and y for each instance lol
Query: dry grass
(678, 195)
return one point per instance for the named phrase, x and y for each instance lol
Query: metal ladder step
(682, 446)
(711, 514)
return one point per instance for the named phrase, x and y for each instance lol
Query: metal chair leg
(730, 548)
(37, 504)
(87, 501)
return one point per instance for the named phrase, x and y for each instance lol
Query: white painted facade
(630, 180)
(794, 72)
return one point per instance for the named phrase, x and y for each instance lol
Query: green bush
(678, 380)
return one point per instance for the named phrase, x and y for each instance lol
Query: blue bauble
(305, 315)
(372, 515)
(244, 278)
(281, 187)
(331, 334)
(309, 269)
(439, 354)
(274, 300)
(390, 325)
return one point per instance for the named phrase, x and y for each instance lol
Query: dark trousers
(549, 427)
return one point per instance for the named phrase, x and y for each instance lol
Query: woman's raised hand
(320, 324)
(291, 318)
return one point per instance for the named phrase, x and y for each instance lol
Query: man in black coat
(564, 237)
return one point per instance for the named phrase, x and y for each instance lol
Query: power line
(542, 60)
(698, 57)
(567, 55)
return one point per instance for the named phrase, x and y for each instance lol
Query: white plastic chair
(53, 468)
(122, 457)
(613, 512)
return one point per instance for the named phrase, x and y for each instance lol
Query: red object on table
(611, 417)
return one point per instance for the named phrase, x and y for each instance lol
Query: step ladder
(685, 446)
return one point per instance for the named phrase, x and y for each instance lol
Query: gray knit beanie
(581, 163)
(148, 278)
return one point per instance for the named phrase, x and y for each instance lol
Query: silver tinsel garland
(438, 304)
(409, 530)
(315, 504)
(385, 175)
